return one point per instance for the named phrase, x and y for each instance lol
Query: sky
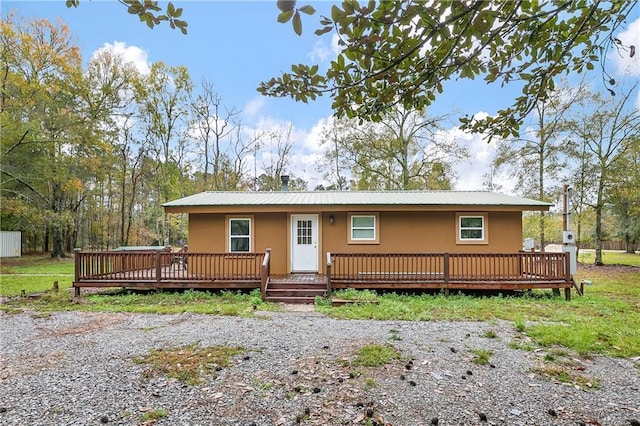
(237, 44)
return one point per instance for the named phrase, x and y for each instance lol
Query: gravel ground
(77, 369)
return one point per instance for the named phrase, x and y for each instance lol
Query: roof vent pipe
(285, 182)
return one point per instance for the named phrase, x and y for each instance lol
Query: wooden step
(295, 292)
(292, 300)
(301, 285)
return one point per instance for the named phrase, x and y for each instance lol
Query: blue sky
(235, 45)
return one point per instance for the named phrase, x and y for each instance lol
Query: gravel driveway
(77, 369)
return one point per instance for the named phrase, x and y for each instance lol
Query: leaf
(632, 51)
(285, 16)
(297, 23)
(286, 5)
(323, 30)
(307, 9)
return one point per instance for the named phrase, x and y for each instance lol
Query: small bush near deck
(187, 363)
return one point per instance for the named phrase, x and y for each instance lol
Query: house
(298, 245)
(300, 227)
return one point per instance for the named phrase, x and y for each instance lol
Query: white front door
(304, 244)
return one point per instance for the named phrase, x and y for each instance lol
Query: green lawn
(34, 274)
(610, 257)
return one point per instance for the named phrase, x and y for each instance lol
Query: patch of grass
(168, 302)
(566, 374)
(16, 285)
(394, 335)
(375, 355)
(38, 265)
(31, 274)
(187, 363)
(490, 334)
(322, 301)
(370, 383)
(482, 356)
(610, 257)
(153, 415)
(514, 344)
(521, 324)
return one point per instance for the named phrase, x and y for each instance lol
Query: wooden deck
(393, 271)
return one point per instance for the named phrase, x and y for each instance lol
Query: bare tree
(404, 151)
(605, 132)
(537, 160)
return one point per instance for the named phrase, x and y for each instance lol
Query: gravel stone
(74, 368)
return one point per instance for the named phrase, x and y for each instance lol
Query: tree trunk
(629, 244)
(598, 231)
(57, 250)
(45, 240)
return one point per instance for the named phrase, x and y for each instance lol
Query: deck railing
(448, 267)
(163, 267)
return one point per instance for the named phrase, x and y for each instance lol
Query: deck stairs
(296, 288)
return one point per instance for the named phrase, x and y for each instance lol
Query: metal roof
(354, 198)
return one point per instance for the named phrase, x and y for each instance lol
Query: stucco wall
(433, 231)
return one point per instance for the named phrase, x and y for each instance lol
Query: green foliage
(375, 355)
(490, 334)
(403, 52)
(150, 13)
(188, 363)
(202, 302)
(51, 142)
(564, 371)
(482, 356)
(152, 415)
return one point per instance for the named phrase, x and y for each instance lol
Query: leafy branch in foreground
(402, 53)
(150, 13)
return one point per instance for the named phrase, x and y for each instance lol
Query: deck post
(446, 272)
(158, 269)
(76, 262)
(568, 277)
(265, 272)
(328, 274)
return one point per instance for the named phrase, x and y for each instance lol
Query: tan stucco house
(301, 227)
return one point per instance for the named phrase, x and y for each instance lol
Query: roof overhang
(334, 201)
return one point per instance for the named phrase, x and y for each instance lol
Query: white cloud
(471, 173)
(131, 54)
(254, 106)
(322, 53)
(625, 65)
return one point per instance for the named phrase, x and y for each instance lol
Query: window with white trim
(239, 234)
(472, 228)
(363, 228)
